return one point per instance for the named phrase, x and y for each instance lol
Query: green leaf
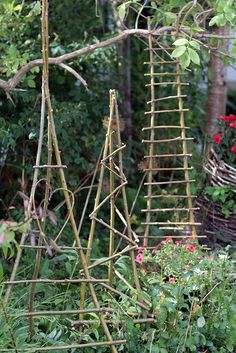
(181, 41)
(31, 83)
(1, 272)
(194, 44)
(179, 51)
(185, 60)
(18, 8)
(122, 11)
(194, 57)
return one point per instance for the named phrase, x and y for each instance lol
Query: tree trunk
(217, 86)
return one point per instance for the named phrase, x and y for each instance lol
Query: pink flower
(233, 149)
(177, 242)
(217, 139)
(191, 247)
(139, 258)
(233, 125)
(167, 240)
(154, 251)
(171, 280)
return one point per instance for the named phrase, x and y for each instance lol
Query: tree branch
(10, 85)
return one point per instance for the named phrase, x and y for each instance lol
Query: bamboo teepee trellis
(111, 165)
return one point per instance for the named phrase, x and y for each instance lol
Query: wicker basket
(214, 224)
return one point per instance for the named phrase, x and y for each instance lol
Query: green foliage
(225, 196)
(192, 296)
(8, 243)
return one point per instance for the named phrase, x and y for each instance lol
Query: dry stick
(125, 202)
(89, 192)
(185, 151)
(136, 302)
(121, 186)
(152, 137)
(127, 238)
(34, 183)
(114, 322)
(49, 160)
(72, 219)
(55, 281)
(125, 223)
(112, 198)
(96, 204)
(112, 257)
(73, 346)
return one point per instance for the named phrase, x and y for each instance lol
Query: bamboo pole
(185, 151)
(112, 197)
(152, 136)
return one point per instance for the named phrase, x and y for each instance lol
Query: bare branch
(10, 85)
(73, 72)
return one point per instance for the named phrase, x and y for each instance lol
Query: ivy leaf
(180, 41)
(194, 57)
(179, 51)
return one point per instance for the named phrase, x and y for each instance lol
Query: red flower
(171, 280)
(233, 149)
(139, 258)
(233, 125)
(191, 247)
(228, 118)
(232, 117)
(217, 139)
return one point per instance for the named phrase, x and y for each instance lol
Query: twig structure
(163, 168)
(167, 159)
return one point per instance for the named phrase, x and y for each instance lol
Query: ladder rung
(171, 169)
(170, 182)
(169, 140)
(170, 155)
(49, 166)
(172, 236)
(158, 49)
(170, 196)
(165, 127)
(167, 83)
(165, 74)
(167, 111)
(172, 223)
(166, 98)
(160, 62)
(170, 209)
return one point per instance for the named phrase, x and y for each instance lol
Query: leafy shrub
(192, 296)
